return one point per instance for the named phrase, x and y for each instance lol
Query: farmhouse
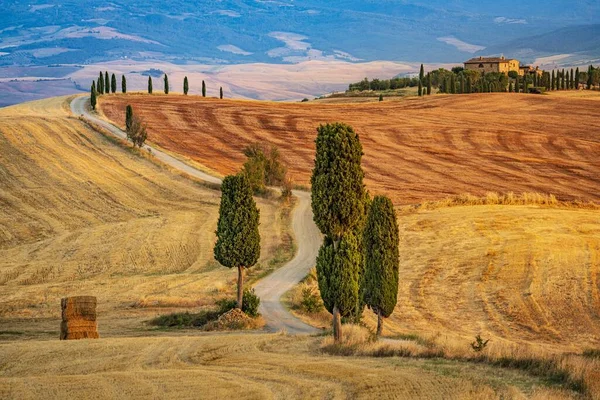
(492, 64)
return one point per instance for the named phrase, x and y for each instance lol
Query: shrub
(479, 344)
(250, 303)
(304, 100)
(311, 302)
(264, 167)
(186, 319)
(226, 305)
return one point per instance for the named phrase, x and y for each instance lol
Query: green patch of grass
(185, 319)
(592, 353)
(15, 333)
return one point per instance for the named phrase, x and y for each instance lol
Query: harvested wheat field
(416, 149)
(80, 215)
(242, 367)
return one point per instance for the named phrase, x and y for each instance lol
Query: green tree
(166, 80)
(510, 87)
(590, 80)
(380, 97)
(552, 81)
(137, 132)
(461, 85)
(100, 85)
(221, 92)
(238, 239)
(339, 204)
(577, 76)
(428, 83)
(203, 89)
(186, 86)
(113, 84)
(93, 95)
(525, 85)
(123, 84)
(421, 73)
(453, 84)
(469, 84)
(106, 83)
(562, 80)
(149, 85)
(420, 90)
(567, 82)
(381, 259)
(128, 117)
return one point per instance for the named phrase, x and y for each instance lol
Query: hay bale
(81, 307)
(78, 318)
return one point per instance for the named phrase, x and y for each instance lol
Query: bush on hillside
(250, 303)
(264, 167)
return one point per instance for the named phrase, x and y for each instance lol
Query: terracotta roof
(478, 60)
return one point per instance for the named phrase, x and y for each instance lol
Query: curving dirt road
(272, 287)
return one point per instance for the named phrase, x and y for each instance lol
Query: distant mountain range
(287, 31)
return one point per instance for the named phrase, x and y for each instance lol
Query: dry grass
(216, 366)
(416, 150)
(571, 373)
(79, 215)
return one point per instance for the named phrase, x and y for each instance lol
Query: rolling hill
(415, 150)
(80, 215)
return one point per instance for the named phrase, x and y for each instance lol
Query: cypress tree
(106, 83)
(453, 84)
(123, 84)
(567, 81)
(380, 97)
(238, 239)
(128, 117)
(552, 81)
(525, 85)
(577, 76)
(150, 85)
(428, 83)
(166, 79)
(420, 90)
(462, 84)
(510, 87)
(572, 82)
(93, 95)
(186, 86)
(203, 89)
(590, 81)
(562, 82)
(339, 203)
(381, 259)
(221, 92)
(100, 85)
(421, 73)
(113, 83)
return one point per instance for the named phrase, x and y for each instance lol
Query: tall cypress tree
(572, 82)
(552, 81)
(203, 89)
(238, 239)
(453, 84)
(339, 204)
(381, 259)
(562, 81)
(166, 79)
(123, 84)
(590, 80)
(420, 90)
(93, 95)
(100, 85)
(150, 85)
(577, 76)
(510, 87)
(186, 86)
(128, 117)
(469, 84)
(525, 85)
(106, 83)
(113, 83)
(461, 85)
(428, 83)
(421, 73)
(221, 92)
(568, 81)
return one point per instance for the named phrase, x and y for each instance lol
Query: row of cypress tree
(357, 264)
(186, 86)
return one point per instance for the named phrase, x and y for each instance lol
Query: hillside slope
(80, 215)
(415, 150)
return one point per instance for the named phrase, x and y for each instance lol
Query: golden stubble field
(415, 149)
(81, 215)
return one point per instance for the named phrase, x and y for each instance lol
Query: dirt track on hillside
(415, 150)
